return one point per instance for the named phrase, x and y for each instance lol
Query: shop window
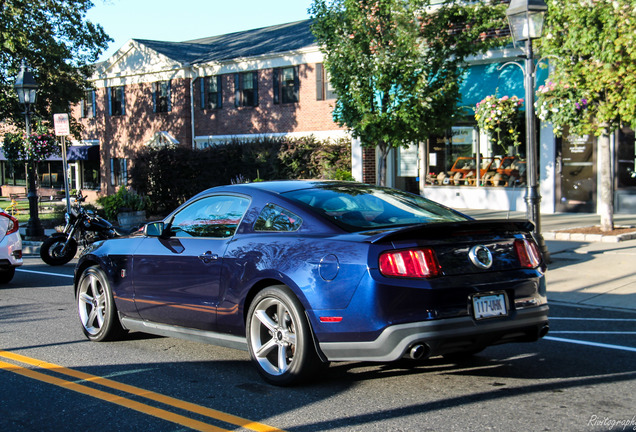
(14, 173)
(246, 89)
(51, 175)
(116, 101)
(464, 158)
(161, 102)
(90, 174)
(286, 85)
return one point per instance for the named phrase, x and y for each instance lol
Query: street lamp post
(27, 90)
(525, 18)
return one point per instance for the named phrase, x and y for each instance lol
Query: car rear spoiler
(456, 229)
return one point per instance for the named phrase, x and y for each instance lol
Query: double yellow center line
(125, 402)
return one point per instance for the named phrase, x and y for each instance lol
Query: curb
(567, 236)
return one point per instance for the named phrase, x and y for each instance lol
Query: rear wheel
(96, 307)
(279, 338)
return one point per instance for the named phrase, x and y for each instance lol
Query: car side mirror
(154, 229)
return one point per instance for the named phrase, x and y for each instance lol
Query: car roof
(282, 186)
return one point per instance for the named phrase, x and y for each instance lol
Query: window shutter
(237, 90)
(154, 97)
(123, 100)
(83, 108)
(202, 86)
(276, 87)
(296, 85)
(94, 113)
(112, 171)
(219, 91)
(109, 93)
(319, 82)
(169, 96)
(255, 81)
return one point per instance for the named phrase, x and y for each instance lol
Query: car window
(215, 216)
(363, 207)
(276, 218)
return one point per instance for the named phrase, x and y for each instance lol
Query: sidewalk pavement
(587, 272)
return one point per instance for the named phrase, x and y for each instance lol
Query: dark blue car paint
(164, 280)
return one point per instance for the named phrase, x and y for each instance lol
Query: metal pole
(65, 167)
(533, 196)
(33, 227)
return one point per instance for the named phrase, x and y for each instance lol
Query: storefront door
(576, 174)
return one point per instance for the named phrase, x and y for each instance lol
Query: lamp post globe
(525, 18)
(27, 89)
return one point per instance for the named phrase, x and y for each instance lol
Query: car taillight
(13, 224)
(410, 263)
(528, 253)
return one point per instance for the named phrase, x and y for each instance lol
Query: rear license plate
(489, 306)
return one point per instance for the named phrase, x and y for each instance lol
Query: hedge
(171, 175)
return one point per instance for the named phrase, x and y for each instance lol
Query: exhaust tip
(418, 351)
(544, 331)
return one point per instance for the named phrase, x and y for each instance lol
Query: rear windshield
(361, 207)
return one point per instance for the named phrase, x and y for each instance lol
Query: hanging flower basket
(500, 118)
(36, 148)
(562, 105)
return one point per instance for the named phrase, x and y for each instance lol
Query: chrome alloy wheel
(91, 302)
(273, 336)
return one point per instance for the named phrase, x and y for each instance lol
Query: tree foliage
(396, 65)
(592, 89)
(57, 42)
(592, 48)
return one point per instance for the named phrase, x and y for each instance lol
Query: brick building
(267, 81)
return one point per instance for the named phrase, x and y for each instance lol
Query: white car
(10, 247)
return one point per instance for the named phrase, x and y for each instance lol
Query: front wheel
(96, 307)
(279, 338)
(52, 251)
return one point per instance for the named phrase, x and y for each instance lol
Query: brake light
(528, 253)
(13, 224)
(410, 263)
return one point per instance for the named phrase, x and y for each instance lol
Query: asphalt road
(581, 377)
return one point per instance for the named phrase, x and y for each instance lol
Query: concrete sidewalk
(586, 273)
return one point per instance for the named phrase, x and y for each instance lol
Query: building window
(161, 102)
(246, 89)
(88, 104)
(324, 90)
(116, 101)
(212, 92)
(118, 172)
(286, 85)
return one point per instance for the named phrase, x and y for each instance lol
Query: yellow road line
(108, 397)
(157, 397)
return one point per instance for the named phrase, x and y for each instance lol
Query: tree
(592, 88)
(55, 40)
(396, 65)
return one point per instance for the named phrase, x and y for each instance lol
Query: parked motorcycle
(82, 228)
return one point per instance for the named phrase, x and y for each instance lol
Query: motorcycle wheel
(51, 250)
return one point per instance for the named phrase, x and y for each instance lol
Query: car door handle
(208, 257)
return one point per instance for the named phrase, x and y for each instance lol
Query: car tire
(49, 251)
(6, 275)
(281, 347)
(96, 307)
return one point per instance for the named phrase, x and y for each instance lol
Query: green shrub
(122, 201)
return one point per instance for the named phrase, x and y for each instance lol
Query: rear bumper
(442, 336)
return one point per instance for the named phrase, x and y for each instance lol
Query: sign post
(62, 128)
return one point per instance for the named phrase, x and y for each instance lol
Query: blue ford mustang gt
(301, 273)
